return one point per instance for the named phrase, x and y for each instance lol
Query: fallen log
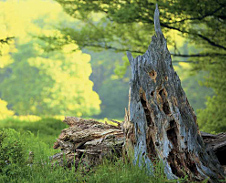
(87, 142)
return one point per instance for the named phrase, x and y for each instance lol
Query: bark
(86, 142)
(160, 123)
(216, 144)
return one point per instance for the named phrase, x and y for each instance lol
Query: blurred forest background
(67, 58)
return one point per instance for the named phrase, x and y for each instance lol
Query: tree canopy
(35, 82)
(127, 25)
(53, 73)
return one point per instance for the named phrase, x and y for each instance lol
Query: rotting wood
(162, 119)
(159, 124)
(96, 142)
(216, 144)
(87, 142)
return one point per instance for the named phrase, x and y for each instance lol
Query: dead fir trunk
(160, 124)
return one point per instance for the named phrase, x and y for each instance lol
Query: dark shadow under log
(217, 145)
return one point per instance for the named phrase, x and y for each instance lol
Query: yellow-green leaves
(4, 111)
(40, 83)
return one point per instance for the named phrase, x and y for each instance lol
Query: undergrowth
(48, 129)
(19, 138)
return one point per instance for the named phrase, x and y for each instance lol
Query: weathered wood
(160, 123)
(87, 142)
(217, 145)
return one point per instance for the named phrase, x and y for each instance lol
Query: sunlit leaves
(41, 83)
(57, 85)
(4, 111)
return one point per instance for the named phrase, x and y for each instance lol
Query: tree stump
(160, 123)
(88, 142)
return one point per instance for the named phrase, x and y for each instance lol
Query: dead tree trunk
(160, 123)
(86, 142)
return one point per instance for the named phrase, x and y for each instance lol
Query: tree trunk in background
(160, 124)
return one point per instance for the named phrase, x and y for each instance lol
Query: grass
(48, 129)
(126, 172)
(19, 137)
(14, 154)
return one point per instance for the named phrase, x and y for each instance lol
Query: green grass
(48, 129)
(18, 138)
(126, 172)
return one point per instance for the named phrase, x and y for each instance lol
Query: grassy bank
(20, 137)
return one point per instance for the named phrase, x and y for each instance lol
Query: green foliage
(38, 83)
(55, 84)
(47, 128)
(114, 96)
(4, 111)
(15, 167)
(213, 118)
(196, 94)
(15, 146)
(128, 25)
(14, 152)
(121, 69)
(112, 90)
(3, 42)
(193, 29)
(125, 171)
